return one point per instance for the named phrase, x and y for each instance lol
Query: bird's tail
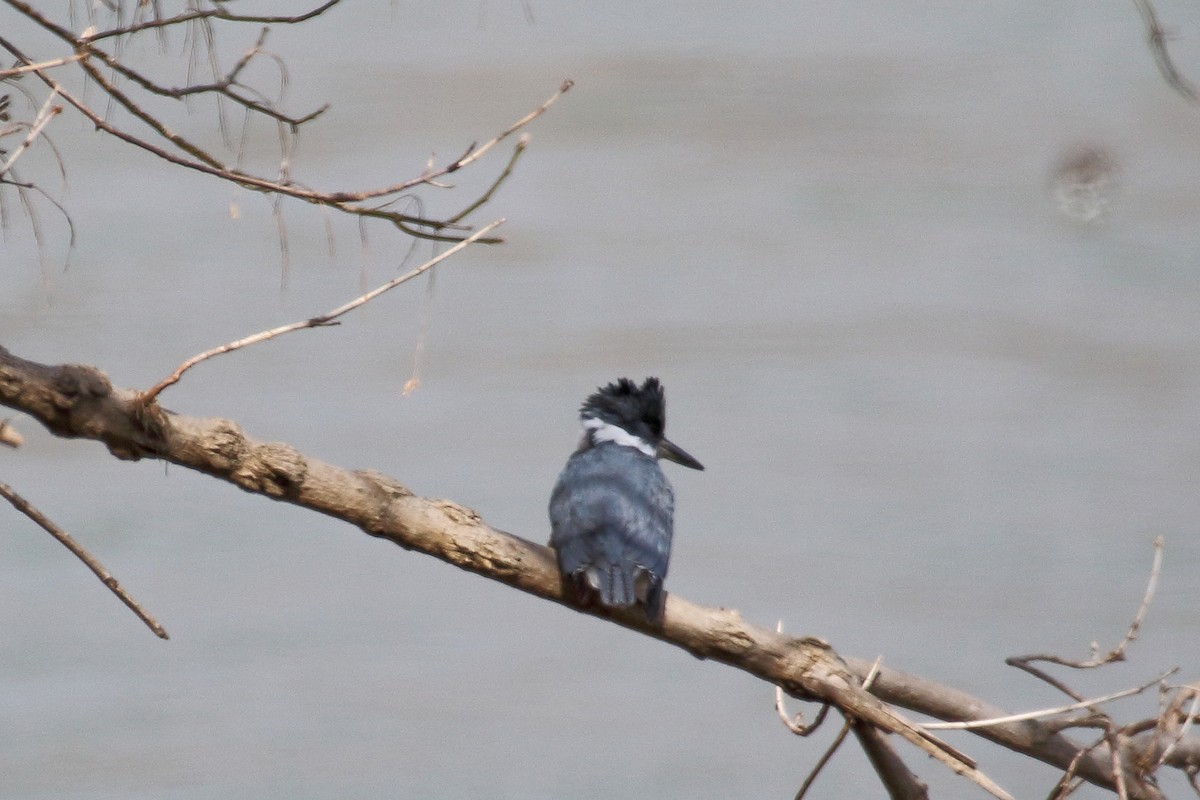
(624, 585)
(615, 583)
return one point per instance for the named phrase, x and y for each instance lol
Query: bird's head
(632, 416)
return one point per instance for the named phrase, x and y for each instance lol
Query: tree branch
(81, 552)
(1156, 37)
(79, 401)
(315, 322)
(211, 13)
(150, 132)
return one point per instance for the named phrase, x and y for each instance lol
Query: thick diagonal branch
(79, 401)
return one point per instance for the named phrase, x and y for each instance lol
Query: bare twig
(324, 319)
(226, 85)
(1115, 739)
(1188, 720)
(1156, 35)
(83, 555)
(522, 143)
(796, 723)
(1097, 660)
(1118, 652)
(475, 153)
(214, 13)
(837, 740)
(47, 112)
(1068, 782)
(811, 778)
(104, 68)
(57, 62)
(1045, 712)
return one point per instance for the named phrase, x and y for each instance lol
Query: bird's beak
(673, 452)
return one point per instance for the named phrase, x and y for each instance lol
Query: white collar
(602, 431)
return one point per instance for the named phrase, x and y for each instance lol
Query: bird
(612, 508)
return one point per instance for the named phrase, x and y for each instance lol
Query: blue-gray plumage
(612, 510)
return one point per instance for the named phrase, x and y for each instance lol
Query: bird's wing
(614, 507)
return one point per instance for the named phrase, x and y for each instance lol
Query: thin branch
(796, 723)
(43, 65)
(1114, 739)
(324, 319)
(224, 86)
(1156, 36)
(22, 505)
(1045, 712)
(522, 143)
(1041, 740)
(1066, 786)
(47, 112)
(1070, 781)
(811, 778)
(1118, 652)
(471, 155)
(216, 13)
(476, 153)
(156, 125)
(1115, 654)
(1188, 719)
(342, 200)
(837, 740)
(27, 204)
(192, 156)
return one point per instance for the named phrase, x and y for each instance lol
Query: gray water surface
(943, 420)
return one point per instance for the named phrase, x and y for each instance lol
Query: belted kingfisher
(612, 510)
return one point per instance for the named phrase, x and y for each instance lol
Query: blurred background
(922, 282)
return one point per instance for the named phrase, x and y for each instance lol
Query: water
(942, 420)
